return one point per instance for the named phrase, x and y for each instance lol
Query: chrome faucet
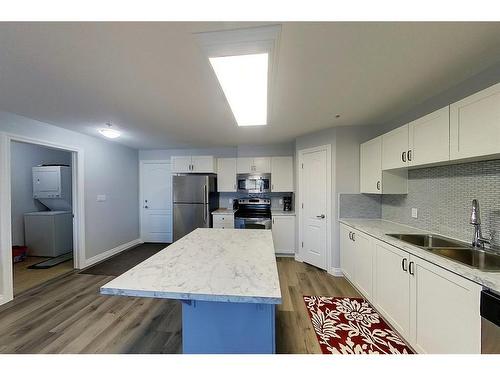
(475, 219)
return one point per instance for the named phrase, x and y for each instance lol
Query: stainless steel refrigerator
(194, 197)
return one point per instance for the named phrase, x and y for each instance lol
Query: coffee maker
(287, 203)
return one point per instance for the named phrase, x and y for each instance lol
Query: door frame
(329, 221)
(142, 163)
(78, 203)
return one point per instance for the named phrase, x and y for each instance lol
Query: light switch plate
(101, 198)
(414, 213)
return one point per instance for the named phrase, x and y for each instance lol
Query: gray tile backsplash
(361, 206)
(443, 197)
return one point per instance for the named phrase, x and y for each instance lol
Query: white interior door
(156, 202)
(315, 193)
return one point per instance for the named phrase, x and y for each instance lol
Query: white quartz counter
(379, 228)
(222, 265)
(282, 213)
(223, 211)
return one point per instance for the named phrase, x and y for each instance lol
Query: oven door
(252, 223)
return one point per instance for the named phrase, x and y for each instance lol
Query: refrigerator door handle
(205, 198)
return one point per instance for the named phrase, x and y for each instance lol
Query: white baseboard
(100, 257)
(298, 258)
(4, 299)
(337, 272)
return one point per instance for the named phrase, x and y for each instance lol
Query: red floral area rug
(352, 326)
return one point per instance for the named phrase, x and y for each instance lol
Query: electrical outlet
(281, 200)
(230, 201)
(414, 213)
(101, 198)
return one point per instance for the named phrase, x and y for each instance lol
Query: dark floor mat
(124, 261)
(52, 262)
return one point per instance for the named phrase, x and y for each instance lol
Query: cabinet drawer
(223, 221)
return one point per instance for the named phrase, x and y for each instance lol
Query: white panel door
(392, 285)
(314, 192)
(430, 138)
(244, 165)
(347, 252)
(445, 314)
(283, 229)
(156, 208)
(395, 148)
(475, 125)
(371, 166)
(226, 174)
(363, 263)
(203, 164)
(262, 165)
(282, 174)
(181, 164)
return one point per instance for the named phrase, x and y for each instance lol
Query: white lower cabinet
(434, 310)
(223, 221)
(283, 228)
(392, 286)
(444, 311)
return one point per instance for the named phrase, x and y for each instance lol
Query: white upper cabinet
(429, 138)
(181, 164)
(372, 179)
(254, 165)
(475, 125)
(282, 174)
(193, 164)
(226, 174)
(395, 148)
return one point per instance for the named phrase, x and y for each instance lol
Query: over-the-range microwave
(254, 183)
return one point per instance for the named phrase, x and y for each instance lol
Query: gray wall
(478, 82)
(443, 198)
(110, 169)
(24, 156)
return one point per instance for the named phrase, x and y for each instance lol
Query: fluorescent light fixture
(243, 79)
(109, 133)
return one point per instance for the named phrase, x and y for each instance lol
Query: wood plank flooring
(25, 278)
(68, 315)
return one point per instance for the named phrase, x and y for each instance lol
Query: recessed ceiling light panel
(244, 61)
(243, 79)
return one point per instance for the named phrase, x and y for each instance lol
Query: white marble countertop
(224, 265)
(223, 211)
(282, 213)
(379, 228)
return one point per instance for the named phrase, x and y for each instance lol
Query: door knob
(320, 216)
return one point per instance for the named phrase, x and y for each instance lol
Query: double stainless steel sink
(482, 259)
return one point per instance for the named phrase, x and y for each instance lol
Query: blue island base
(228, 328)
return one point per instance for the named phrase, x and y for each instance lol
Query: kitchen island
(228, 282)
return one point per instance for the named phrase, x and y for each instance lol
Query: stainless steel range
(253, 213)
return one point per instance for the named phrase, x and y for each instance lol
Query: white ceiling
(154, 83)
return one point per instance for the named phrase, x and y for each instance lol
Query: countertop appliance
(48, 233)
(490, 322)
(253, 213)
(254, 183)
(194, 197)
(287, 203)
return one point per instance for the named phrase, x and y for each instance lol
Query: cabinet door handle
(403, 156)
(350, 234)
(409, 155)
(273, 220)
(378, 185)
(404, 264)
(353, 238)
(410, 268)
